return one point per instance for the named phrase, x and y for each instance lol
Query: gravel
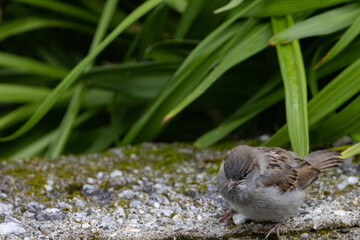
(155, 191)
(11, 228)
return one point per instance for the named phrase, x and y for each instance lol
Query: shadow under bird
(268, 183)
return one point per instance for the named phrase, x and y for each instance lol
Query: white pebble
(304, 235)
(90, 180)
(6, 209)
(157, 205)
(348, 181)
(94, 222)
(176, 218)
(119, 211)
(264, 137)
(79, 203)
(99, 174)
(339, 213)
(317, 211)
(239, 219)
(50, 182)
(200, 176)
(116, 173)
(11, 228)
(48, 188)
(85, 226)
(199, 217)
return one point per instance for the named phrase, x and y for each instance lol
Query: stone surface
(11, 228)
(50, 214)
(238, 219)
(347, 182)
(156, 191)
(6, 209)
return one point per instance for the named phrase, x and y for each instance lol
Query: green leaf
(352, 151)
(103, 141)
(340, 124)
(232, 4)
(283, 7)
(242, 115)
(178, 5)
(17, 115)
(31, 66)
(23, 25)
(254, 42)
(151, 31)
(78, 70)
(139, 80)
(171, 50)
(63, 8)
(344, 59)
(293, 74)
(59, 142)
(200, 54)
(187, 18)
(322, 24)
(343, 87)
(202, 59)
(350, 34)
(22, 93)
(40, 144)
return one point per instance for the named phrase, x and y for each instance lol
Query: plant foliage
(82, 76)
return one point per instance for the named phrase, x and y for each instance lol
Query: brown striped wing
(286, 170)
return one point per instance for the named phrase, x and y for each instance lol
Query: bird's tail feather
(324, 159)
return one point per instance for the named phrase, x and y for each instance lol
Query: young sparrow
(268, 183)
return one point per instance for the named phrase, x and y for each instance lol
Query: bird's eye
(245, 175)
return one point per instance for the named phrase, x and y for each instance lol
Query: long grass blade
(178, 5)
(64, 8)
(348, 56)
(197, 57)
(16, 116)
(324, 23)
(192, 10)
(330, 129)
(232, 4)
(22, 25)
(293, 74)
(342, 88)
(254, 43)
(283, 7)
(241, 116)
(22, 93)
(59, 142)
(78, 70)
(352, 151)
(31, 66)
(39, 145)
(344, 41)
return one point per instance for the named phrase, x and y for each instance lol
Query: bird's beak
(231, 184)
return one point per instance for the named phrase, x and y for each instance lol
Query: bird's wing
(286, 170)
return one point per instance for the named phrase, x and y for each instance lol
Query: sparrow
(268, 183)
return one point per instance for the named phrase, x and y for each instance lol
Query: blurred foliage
(81, 76)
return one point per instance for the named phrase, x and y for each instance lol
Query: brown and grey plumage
(268, 184)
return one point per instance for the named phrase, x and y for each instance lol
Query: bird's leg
(274, 227)
(226, 216)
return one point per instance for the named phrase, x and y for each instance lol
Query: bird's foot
(226, 216)
(274, 227)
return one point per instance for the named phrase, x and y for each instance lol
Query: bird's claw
(226, 216)
(274, 227)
